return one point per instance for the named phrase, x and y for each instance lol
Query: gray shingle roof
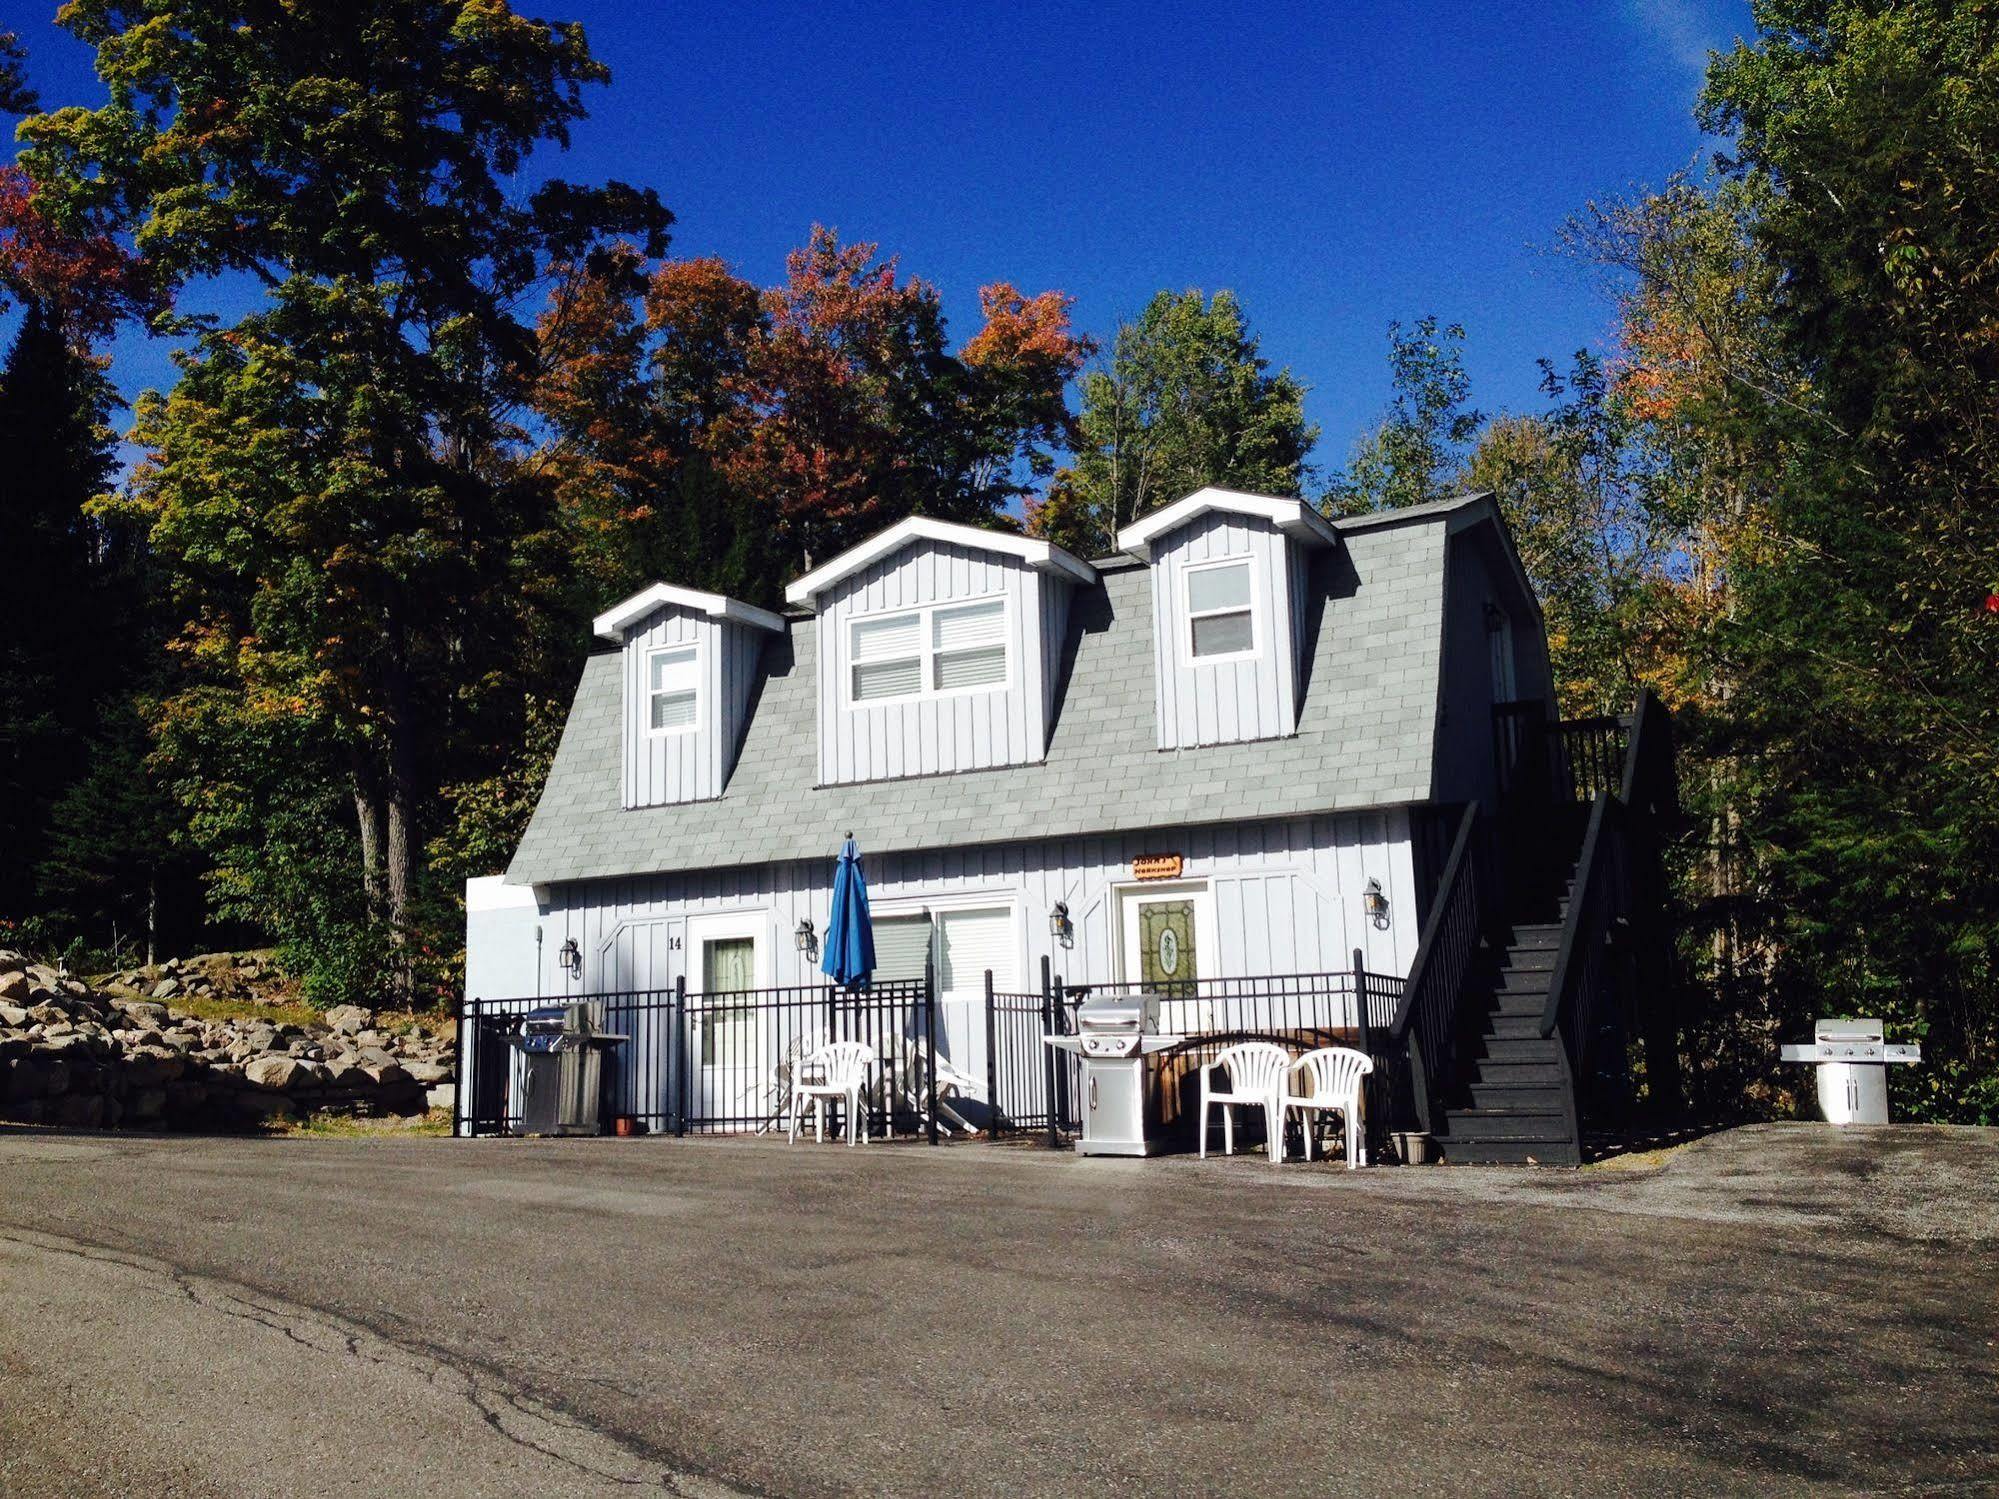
(1366, 734)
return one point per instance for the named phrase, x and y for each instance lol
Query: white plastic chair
(1331, 1084)
(837, 1070)
(775, 1092)
(1255, 1076)
(912, 1060)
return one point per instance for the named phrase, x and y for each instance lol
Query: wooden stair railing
(1426, 1024)
(1617, 903)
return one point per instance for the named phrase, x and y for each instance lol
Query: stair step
(1534, 934)
(1505, 1027)
(1515, 1002)
(1534, 1047)
(1512, 1153)
(1550, 1125)
(1534, 1070)
(1513, 1097)
(1530, 959)
(1525, 980)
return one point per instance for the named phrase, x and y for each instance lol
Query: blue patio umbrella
(849, 956)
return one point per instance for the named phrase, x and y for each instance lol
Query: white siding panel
(1286, 898)
(933, 735)
(1225, 702)
(692, 766)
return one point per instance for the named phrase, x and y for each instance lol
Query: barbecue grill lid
(1849, 1030)
(1118, 1012)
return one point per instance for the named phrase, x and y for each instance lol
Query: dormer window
(673, 696)
(938, 651)
(1220, 611)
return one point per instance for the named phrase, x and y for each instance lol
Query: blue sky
(1336, 165)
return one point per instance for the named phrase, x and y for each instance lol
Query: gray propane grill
(1852, 1057)
(1115, 1033)
(561, 1076)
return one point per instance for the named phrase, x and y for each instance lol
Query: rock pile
(215, 975)
(73, 1055)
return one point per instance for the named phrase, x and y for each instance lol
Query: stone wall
(76, 1056)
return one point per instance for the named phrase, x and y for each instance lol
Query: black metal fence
(720, 1062)
(1031, 1087)
(1298, 1011)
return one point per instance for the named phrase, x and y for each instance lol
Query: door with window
(728, 1072)
(1166, 942)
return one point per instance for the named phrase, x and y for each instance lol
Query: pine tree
(54, 649)
(113, 869)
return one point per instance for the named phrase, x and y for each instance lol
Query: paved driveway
(1776, 1310)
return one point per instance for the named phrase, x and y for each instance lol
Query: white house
(1206, 749)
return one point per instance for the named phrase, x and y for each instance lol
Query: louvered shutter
(901, 942)
(970, 943)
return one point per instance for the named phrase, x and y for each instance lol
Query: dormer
(690, 670)
(1229, 575)
(938, 648)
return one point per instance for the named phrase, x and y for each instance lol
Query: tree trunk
(400, 853)
(369, 815)
(152, 915)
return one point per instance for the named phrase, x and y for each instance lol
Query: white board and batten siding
(1240, 698)
(688, 765)
(934, 734)
(1286, 896)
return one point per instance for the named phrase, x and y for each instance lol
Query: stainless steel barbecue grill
(558, 1081)
(1852, 1057)
(1115, 1034)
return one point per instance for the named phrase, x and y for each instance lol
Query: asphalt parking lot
(1783, 1309)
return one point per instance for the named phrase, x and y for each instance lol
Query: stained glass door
(1165, 936)
(1167, 951)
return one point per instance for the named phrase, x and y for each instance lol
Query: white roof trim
(613, 622)
(1294, 518)
(1043, 556)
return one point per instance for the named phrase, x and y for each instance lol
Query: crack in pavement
(517, 1417)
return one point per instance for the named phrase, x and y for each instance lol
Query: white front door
(728, 1075)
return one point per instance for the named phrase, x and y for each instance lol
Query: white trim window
(1221, 610)
(940, 650)
(673, 689)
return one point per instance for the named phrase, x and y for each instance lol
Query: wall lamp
(570, 957)
(806, 937)
(1374, 900)
(1058, 924)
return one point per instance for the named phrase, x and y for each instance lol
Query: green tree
(335, 494)
(116, 868)
(1414, 455)
(718, 434)
(1185, 399)
(58, 650)
(16, 98)
(1866, 653)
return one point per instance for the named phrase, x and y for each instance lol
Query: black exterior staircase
(1546, 950)
(1513, 1102)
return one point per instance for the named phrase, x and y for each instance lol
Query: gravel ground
(1782, 1309)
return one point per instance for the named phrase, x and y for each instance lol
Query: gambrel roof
(1367, 732)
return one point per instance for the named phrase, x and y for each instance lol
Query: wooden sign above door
(1157, 866)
